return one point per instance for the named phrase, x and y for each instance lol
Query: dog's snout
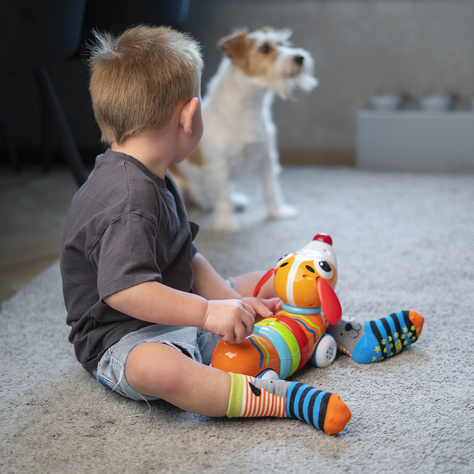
(299, 60)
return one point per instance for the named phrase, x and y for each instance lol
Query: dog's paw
(240, 201)
(283, 211)
(226, 224)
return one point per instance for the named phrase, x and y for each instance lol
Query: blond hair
(139, 78)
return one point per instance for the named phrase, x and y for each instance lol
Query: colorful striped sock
(250, 397)
(386, 337)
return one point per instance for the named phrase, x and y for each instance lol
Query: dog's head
(267, 56)
(307, 278)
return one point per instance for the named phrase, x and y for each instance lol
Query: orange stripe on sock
(261, 402)
(257, 403)
(267, 404)
(271, 406)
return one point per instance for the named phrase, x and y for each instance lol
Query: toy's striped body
(304, 281)
(283, 344)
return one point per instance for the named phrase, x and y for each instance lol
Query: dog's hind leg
(271, 169)
(218, 184)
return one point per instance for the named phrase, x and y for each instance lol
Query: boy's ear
(187, 113)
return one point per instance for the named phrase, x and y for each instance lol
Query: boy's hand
(264, 308)
(231, 319)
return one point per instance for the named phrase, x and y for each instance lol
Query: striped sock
(250, 397)
(386, 337)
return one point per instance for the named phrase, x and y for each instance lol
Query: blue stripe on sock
(296, 404)
(393, 328)
(394, 321)
(303, 402)
(389, 335)
(307, 403)
(290, 399)
(403, 324)
(383, 333)
(312, 407)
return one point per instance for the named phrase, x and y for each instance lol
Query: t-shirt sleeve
(125, 255)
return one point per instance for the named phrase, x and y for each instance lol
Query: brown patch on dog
(196, 157)
(245, 52)
(235, 46)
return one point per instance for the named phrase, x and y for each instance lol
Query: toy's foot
(385, 337)
(325, 352)
(268, 374)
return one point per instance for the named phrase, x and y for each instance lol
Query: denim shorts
(194, 342)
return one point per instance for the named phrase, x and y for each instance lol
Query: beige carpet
(403, 242)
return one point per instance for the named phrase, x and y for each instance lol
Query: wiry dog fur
(238, 123)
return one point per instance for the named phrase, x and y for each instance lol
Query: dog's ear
(234, 45)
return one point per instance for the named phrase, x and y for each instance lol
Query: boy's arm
(209, 284)
(151, 301)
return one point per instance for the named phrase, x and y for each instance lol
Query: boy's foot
(252, 397)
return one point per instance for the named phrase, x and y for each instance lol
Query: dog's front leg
(223, 220)
(271, 169)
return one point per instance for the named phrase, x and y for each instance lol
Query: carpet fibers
(403, 241)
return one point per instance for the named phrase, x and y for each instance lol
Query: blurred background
(396, 88)
(360, 47)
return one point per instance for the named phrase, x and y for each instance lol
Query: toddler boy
(145, 307)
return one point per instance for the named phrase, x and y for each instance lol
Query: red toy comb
(326, 238)
(262, 281)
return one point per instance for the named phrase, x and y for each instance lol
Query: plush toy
(310, 326)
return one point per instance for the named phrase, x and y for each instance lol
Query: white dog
(238, 122)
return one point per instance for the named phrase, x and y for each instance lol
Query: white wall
(360, 47)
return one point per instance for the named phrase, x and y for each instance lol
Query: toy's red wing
(329, 301)
(263, 280)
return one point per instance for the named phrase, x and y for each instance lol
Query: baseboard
(318, 158)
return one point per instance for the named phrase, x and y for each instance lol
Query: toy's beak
(329, 301)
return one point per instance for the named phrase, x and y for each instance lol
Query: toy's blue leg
(378, 340)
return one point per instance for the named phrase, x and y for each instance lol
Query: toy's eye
(324, 268)
(265, 48)
(282, 259)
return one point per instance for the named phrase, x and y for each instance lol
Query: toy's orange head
(302, 279)
(297, 273)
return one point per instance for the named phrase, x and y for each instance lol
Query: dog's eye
(265, 48)
(324, 269)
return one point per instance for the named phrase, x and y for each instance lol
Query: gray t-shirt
(125, 226)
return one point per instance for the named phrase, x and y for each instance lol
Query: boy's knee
(150, 370)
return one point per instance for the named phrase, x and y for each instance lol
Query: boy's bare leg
(161, 371)
(246, 283)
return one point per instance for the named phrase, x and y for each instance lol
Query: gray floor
(403, 241)
(33, 205)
